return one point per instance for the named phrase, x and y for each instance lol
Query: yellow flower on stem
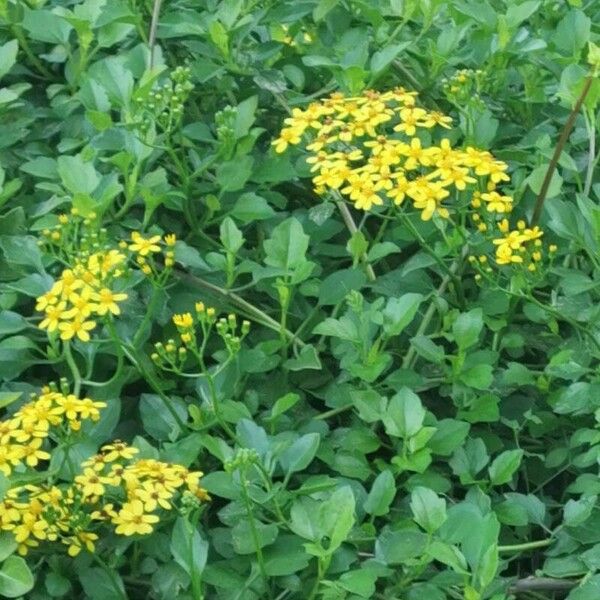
(90, 483)
(76, 328)
(288, 136)
(53, 314)
(107, 301)
(144, 246)
(132, 520)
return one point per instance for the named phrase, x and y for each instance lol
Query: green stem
(137, 338)
(410, 355)
(74, 369)
(333, 412)
(250, 310)
(254, 532)
(148, 376)
(525, 546)
(24, 44)
(352, 228)
(406, 220)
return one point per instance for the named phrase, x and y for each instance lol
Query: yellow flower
(31, 526)
(144, 246)
(90, 483)
(287, 136)
(170, 239)
(76, 328)
(82, 304)
(118, 450)
(53, 315)
(154, 496)
(83, 539)
(132, 519)
(32, 453)
(107, 301)
(183, 321)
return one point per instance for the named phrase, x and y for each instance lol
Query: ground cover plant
(298, 299)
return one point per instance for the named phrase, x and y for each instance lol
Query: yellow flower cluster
(24, 435)
(353, 152)
(172, 355)
(520, 245)
(113, 489)
(144, 249)
(81, 294)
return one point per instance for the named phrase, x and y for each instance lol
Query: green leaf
(286, 248)
(399, 312)
(12, 322)
(231, 237)
(517, 13)
(337, 517)
(449, 435)
(479, 377)
(188, 548)
(232, 175)
(251, 207)
(577, 511)
(381, 495)
(467, 327)
(301, 453)
(56, 585)
(360, 582)
(8, 56)
(448, 555)
(384, 57)
(285, 557)
(404, 415)
(8, 545)
(45, 26)
(243, 538)
(283, 404)
(336, 286)
(158, 420)
(98, 584)
(307, 358)
(15, 577)
(504, 466)
(77, 175)
(398, 547)
(536, 179)
(573, 32)
(428, 508)
(322, 8)
(428, 349)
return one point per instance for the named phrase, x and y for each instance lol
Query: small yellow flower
(132, 520)
(183, 321)
(107, 301)
(170, 239)
(144, 246)
(118, 450)
(53, 315)
(76, 328)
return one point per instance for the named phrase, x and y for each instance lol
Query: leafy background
(454, 474)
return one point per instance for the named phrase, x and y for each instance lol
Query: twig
(589, 175)
(153, 29)
(564, 136)
(406, 362)
(352, 228)
(249, 309)
(541, 584)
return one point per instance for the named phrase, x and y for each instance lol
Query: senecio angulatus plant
(299, 300)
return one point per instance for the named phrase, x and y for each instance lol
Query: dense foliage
(294, 304)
